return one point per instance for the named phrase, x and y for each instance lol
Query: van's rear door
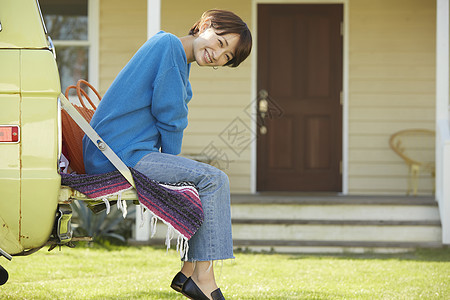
(29, 90)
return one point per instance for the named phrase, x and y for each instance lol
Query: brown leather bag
(72, 135)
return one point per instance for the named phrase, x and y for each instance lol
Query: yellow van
(29, 129)
(34, 207)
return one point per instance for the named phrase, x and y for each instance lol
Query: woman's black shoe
(192, 291)
(178, 281)
(217, 295)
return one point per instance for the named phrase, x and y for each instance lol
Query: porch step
(331, 224)
(292, 246)
(309, 223)
(335, 222)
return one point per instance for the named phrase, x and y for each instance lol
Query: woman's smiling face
(211, 49)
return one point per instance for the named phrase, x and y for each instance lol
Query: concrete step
(329, 223)
(305, 223)
(330, 199)
(338, 231)
(331, 230)
(304, 246)
(335, 212)
(334, 208)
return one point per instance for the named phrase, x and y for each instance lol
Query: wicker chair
(416, 148)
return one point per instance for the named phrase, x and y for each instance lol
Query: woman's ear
(205, 25)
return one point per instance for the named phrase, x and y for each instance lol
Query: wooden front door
(299, 140)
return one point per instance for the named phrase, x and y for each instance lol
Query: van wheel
(3, 276)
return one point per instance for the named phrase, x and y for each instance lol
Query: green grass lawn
(146, 273)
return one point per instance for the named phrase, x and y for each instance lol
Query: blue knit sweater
(145, 108)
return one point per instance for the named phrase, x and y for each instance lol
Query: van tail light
(9, 134)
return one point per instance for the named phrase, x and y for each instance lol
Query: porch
(394, 227)
(314, 223)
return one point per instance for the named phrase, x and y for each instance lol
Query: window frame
(92, 43)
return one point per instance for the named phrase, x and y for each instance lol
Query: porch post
(153, 26)
(442, 59)
(153, 17)
(442, 117)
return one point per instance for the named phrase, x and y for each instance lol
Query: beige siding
(220, 96)
(391, 84)
(391, 87)
(123, 29)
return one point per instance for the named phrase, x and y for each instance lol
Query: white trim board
(94, 40)
(153, 17)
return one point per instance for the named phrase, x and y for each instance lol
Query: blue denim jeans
(213, 239)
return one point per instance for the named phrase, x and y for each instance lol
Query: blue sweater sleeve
(170, 109)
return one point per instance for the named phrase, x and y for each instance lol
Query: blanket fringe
(108, 206)
(169, 236)
(143, 210)
(153, 223)
(182, 241)
(182, 247)
(122, 205)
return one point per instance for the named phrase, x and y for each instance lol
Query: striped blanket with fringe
(178, 205)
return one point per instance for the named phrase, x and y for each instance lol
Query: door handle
(263, 105)
(263, 108)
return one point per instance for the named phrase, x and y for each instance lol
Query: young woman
(143, 115)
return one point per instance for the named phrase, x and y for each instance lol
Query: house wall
(391, 87)
(121, 35)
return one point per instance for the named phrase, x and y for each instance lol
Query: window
(69, 25)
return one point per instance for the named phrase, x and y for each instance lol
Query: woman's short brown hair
(225, 22)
